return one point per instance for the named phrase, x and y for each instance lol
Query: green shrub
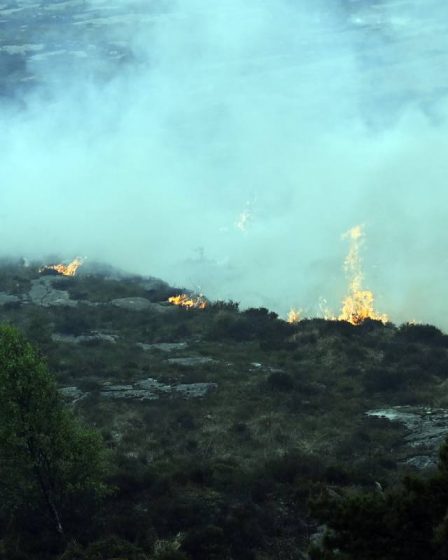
(260, 315)
(383, 380)
(280, 381)
(114, 548)
(293, 466)
(72, 321)
(228, 325)
(425, 334)
(224, 306)
(408, 521)
(207, 543)
(170, 555)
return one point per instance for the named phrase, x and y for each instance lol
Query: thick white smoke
(305, 117)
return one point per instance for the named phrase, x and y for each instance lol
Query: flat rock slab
(72, 339)
(73, 394)
(428, 428)
(191, 361)
(42, 293)
(109, 387)
(146, 390)
(421, 462)
(139, 304)
(151, 384)
(8, 298)
(150, 389)
(133, 304)
(195, 390)
(129, 394)
(163, 346)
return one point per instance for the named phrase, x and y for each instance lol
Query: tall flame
(184, 300)
(65, 269)
(358, 303)
(294, 316)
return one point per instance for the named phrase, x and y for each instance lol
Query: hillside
(221, 423)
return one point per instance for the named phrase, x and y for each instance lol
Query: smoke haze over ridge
(304, 119)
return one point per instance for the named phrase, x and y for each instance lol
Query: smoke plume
(226, 146)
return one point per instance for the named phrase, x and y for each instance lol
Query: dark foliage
(229, 475)
(381, 379)
(426, 334)
(406, 522)
(280, 381)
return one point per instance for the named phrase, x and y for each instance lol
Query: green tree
(48, 460)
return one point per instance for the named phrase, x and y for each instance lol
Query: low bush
(294, 465)
(408, 521)
(426, 334)
(229, 325)
(206, 543)
(280, 381)
(105, 549)
(384, 380)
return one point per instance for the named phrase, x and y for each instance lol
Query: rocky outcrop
(128, 392)
(164, 346)
(153, 385)
(140, 304)
(195, 390)
(191, 361)
(43, 293)
(427, 427)
(73, 394)
(150, 389)
(93, 337)
(8, 298)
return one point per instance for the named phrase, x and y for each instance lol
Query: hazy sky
(235, 143)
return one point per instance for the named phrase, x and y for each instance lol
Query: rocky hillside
(223, 423)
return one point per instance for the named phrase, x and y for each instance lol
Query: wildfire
(358, 303)
(65, 269)
(189, 302)
(294, 316)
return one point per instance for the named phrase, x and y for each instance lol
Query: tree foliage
(48, 460)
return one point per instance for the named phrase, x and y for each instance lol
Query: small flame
(358, 304)
(188, 302)
(294, 316)
(325, 310)
(65, 269)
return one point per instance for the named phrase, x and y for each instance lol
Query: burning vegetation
(294, 316)
(358, 304)
(65, 269)
(188, 301)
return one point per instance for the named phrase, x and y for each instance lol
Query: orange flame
(188, 302)
(358, 304)
(294, 316)
(65, 269)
